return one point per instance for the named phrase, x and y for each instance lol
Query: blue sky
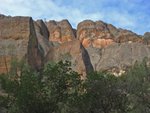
(129, 14)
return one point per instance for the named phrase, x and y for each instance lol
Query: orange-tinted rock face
(55, 35)
(99, 34)
(97, 43)
(95, 34)
(5, 64)
(93, 30)
(101, 43)
(86, 42)
(60, 31)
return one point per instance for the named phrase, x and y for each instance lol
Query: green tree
(21, 91)
(61, 86)
(55, 89)
(103, 94)
(137, 82)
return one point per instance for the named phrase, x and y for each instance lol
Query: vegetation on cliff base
(59, 89)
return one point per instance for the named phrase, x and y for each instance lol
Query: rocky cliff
(18, 40)
(92, 46)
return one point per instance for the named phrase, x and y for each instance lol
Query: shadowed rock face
(43, 28)
(93, 46)
(34, 55)
(42, 37)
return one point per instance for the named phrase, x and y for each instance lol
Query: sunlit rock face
(97, 43)
(99, 34)
(60, 31)
(95, 34)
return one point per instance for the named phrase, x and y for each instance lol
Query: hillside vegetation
(59, 89)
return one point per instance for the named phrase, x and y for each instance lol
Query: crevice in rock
(34, 55)
(86, 60)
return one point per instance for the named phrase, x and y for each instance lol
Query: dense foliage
(58, 89)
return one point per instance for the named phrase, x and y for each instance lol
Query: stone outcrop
(146, 38)
(127, 36)
(118, 57)
(60, 31)
(18, 40)
(92, 46)
(42, 35)
(99, 34)
(43, 29)
(95, 34)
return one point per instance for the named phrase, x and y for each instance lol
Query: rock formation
(71, 51)
(92, 46)
(147, 37)
(60, 31)
(18, 40)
